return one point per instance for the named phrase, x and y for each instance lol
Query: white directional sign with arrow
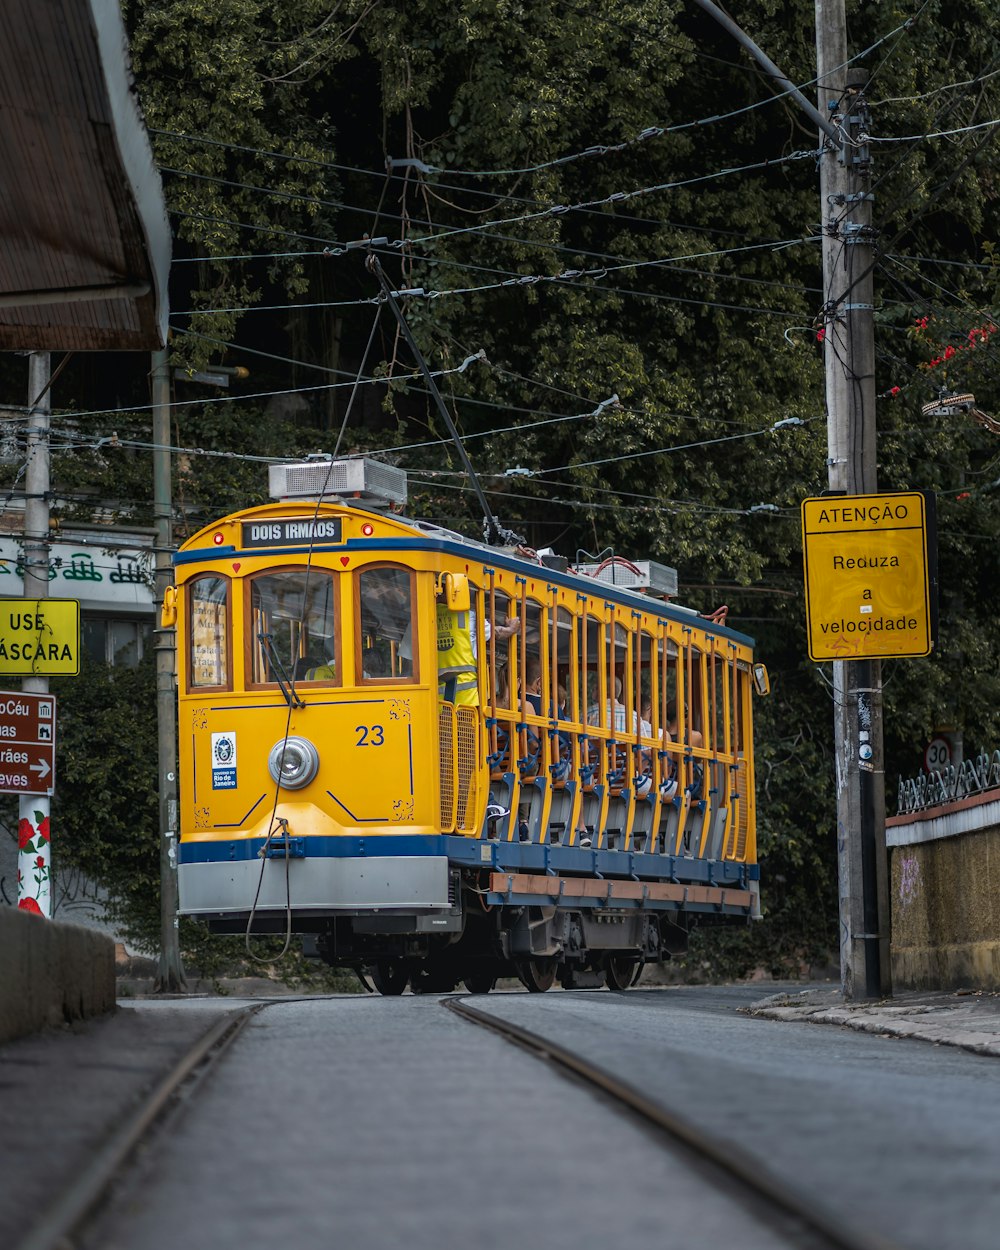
(27, 743)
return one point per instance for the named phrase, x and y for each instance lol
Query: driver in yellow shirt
(456, 652)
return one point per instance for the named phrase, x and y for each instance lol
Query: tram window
(718, 676)
(594, 668)
(292, 627)
(668, 691)
(695, 699)
(386, 628)
(208, 631)
(563, 666)
(741, 694)
(648, 680)
(500, 643)
(534, 642)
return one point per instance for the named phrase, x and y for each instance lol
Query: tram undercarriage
(478, 943)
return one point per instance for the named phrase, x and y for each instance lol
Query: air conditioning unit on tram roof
(647, 576)
(367, 482)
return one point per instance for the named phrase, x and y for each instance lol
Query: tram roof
(84, 237)
(413, 534)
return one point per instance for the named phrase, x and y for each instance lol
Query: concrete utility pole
(849, 354)
(170, 971)
(34, 869)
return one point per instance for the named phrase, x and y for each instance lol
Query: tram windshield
(293, 627)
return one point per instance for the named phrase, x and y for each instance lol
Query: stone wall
(51, 973)
(945, 895)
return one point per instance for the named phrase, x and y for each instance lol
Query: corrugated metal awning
(84, 238)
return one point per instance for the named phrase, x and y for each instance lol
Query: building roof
(84, 238)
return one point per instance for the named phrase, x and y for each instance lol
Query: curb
(974, 1025)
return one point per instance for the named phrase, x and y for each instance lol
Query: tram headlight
(293, 763)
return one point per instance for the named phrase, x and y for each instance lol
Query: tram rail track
(828, 1230)
(70, 1212)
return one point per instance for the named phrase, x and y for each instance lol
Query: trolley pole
(170, 971)
(849, 355)
(34, 869)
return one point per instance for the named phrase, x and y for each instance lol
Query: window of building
(114, 641)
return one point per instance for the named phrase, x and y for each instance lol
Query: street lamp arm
(742, 38)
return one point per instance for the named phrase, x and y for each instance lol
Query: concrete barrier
(51, 973)
(945, 904)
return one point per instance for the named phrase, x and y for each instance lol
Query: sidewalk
(969, 1019)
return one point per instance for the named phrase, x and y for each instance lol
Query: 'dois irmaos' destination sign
(293, 532)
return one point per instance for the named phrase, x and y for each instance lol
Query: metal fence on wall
(972, 776)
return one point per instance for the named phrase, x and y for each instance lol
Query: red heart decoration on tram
(236, 568)
(345, 561)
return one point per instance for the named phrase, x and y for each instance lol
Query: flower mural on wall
(33, 840)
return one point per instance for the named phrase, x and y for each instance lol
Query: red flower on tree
(43, 828)
(25, 832)
(40, 862)
(30, 905)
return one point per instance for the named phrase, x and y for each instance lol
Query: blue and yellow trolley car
(442, 761)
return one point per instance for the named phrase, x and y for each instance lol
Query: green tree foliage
(105, 807)
(679, 271)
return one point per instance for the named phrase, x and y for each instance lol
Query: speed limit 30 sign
(937, 755)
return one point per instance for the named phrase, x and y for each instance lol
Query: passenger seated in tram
(533, 684)
(314, 668)
(617, 716)
(668, 787)
(693, 738)
(373, 663)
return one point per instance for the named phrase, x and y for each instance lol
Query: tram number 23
(369, 735)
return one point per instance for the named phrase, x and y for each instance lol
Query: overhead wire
(569, 278)
(492, 195)
(650, 132)
(228, 399)
(660, 451)
(475, 401)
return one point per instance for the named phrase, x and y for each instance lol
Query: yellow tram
(441, 761)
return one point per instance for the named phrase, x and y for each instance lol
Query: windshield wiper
(285, 683)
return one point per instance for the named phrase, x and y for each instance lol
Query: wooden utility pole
(170, 971)
(849, 355)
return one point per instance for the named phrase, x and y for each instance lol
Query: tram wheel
(480, 982)
(390, 977)
(638, 972)
(618, 972)
(536, 975)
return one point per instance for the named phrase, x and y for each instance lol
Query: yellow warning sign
(866, 574)
(39, 637)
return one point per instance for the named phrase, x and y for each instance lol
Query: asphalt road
(369, 1122)
(390, 1122)
(900, 1137)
